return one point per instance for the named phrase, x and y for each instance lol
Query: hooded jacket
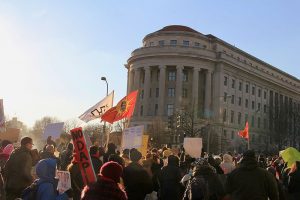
(47, 183)
(249, 182)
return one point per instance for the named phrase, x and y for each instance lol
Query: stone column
(147, 83)
(162, 89)
(130, 80)
(207, 100)
(178, 92)
(195, 96)
(218, 95)
(137, 78)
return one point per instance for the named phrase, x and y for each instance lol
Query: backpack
(30, 192)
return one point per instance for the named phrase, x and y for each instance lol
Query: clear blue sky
(53, 53)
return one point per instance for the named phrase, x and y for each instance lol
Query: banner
(132, 137)
(83, 156)
(99, 109)
(2, 118)
(53, 130)
(193, 147)
(64, 181)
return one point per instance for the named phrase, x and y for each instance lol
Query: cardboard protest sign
(144, 147)
(193, 147)
(53, 130)
(132, 137)
(64, 181)
(83, 156)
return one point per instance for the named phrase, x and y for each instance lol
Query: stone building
(180, 70)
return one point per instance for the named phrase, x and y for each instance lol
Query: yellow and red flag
(124, 109)
(245, 133)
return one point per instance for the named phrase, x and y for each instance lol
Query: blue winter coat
(47, 184)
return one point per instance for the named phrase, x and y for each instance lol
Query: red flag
(123, 109)
(245, 133)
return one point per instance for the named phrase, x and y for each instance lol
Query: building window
(151, 44)
(246, 118)
(225, 133)
(197, 44)
(173, 42)
(171, 92)
(157, 92)
(142, 111)
(252, 121)
(265, 108)
(232, 117)
(259, 92)
(253, 105)
(239, 118)
(185, 76)
(240, 86)
(225, 96)
(232, 99)
(225, 80)
(155, 109)
(258, 122)
(172, 76)
(233, 83)
(161, 43)
(224, 115)
(265, 123)
(170, 109)
(240, 101)
(246, 103)
(184, 93)
(258, 106)
(265, 94)
(232, 135)
(247, 88)
(186, 43)
(253, 90)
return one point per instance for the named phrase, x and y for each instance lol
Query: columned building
(180, 70)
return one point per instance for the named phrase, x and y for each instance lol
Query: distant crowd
(161, 174)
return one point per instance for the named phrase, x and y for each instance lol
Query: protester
(125, 156)
(169, 180)
(49, 153)
(111, 149)
(66, 157)
(46, 183)
(294, 181)
(17, 171)
(281, 192)
(204, 184)
(4, 156)
(76, 178)
(97, 163)
(106, 187)
(227, 164)
(117, 158)
(136, 180)
(214, 164)
(50, 141)
(249, 181)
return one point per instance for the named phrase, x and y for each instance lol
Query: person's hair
(118, 159)
(25, 140)
(4, 143)
(50, 148)
(93, 150)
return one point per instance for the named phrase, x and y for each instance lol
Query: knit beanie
(112, 170)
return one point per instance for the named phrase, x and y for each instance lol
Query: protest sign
(144, 146)
(64, 181)
(82, 156)
(53, 130)
(193, 147)
(132, 137)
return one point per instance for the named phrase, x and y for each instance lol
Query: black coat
(137, 182)
(294, 184)
(249, 182)
(97, 163)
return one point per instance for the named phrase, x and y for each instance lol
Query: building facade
(181, 70)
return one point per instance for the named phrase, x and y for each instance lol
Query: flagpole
(249, 144)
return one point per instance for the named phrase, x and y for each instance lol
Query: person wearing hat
(249, 181)
(137, 182)
(106, 187)
(17, 170)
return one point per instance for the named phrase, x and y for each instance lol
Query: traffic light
(170, 122)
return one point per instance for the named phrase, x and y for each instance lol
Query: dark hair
(25, 140)
(4, 143)
(116, 158)
(93, 150)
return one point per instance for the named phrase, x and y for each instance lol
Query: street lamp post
(104, 125)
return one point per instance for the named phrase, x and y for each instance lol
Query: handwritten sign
(133, 137)
(64, 181)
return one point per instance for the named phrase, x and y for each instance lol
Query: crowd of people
(161, 174)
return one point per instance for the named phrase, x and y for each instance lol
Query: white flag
(2, 118)
(99, 109)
